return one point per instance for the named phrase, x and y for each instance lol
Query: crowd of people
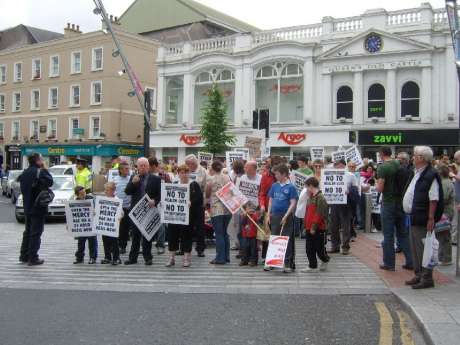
(415, 196)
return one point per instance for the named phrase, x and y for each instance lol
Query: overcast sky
(265, 14)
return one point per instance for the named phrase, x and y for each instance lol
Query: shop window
(345, 103)
(376, 101)
(170, 155)
(410, 99)
(174, 100)
(281, 151)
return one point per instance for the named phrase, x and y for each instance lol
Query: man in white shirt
(121, 181)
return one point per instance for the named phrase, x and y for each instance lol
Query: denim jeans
(220, 224)
(393, 219)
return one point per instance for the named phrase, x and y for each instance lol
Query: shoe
(201, 254)
(333, 251)
(171, 263)
(187, 260)
(386, 268)
(423, 285)
(106, 261)
(323, 266)
(288, 270)
(235, 248)
(243, 263)
(116, 262)
(179, 252)
(309, 270)
(445, 263)
(215, 262)
(77, 261)
(160, 251)
(268, 269)
(122, 250)
(413, 281)
(91, 261)
(36, 262)
(148, 262)
(345, 251)
(408, 267)
(130, 262)
(238, 256)
(252, 264)
(23, 260)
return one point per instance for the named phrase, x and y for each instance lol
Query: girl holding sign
(111, 249)
(80, 194)
(182, 234)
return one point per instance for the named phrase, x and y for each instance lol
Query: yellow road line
(386, 324)
(406, 337)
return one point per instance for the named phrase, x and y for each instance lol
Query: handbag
(44, 197)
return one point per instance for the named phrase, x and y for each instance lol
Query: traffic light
(261, 120)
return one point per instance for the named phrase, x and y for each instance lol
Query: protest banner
(250, 189)
(254, 145)
(232, 156)
(174, 203)
(107, 216)
(317, 153)
(353, 155)
(338, 155)
(374, 200)
(333, 186)
(299, 179)
(245, 150)
(276, 252)
(205, 157)
(147, 219)
(231, 197)
(79, 218)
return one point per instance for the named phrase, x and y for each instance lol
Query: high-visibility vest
(115, 165)
(83, 178)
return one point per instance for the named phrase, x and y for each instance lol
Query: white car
(63, 169)
(7, 183)
(63, 189)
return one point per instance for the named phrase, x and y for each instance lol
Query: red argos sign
(190, 140)
(292, 138)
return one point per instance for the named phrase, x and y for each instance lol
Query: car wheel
(19, 219)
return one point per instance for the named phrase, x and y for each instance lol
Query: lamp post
(137, 87)
(452, 16)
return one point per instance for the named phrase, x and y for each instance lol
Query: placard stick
(252, 220)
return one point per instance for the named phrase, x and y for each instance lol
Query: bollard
(368, 212)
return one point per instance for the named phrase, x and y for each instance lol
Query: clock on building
(373, 43)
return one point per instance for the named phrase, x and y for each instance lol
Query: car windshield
(57, 171)
(13, 175)
(62, 183)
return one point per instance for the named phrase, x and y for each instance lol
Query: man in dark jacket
(423, 201)
(33, 180)
(140, 184)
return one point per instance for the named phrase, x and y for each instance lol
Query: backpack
(44, 197)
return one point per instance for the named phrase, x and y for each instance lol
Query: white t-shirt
(302, 204)
(250, 186)
(408, 199)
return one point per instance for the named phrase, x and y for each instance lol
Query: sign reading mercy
(333, 186)
(231, 197)
(107, 216)
(79, 217)
(276, 251)
(174, 203)
(292, 138)
(146, 218)
(190, 140)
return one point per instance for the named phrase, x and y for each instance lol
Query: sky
(264, 14)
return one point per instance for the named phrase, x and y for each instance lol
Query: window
(16, 102)
(35, 99)
(36, 69)
(2, 103)
(410, 99)
(96, 92)
(74, 126)
(54, 65)
(52, 98)
(225, 81)
(345, 103)
(2, 130)
(52, 129)
(95, 126)
(34, 129)
(376, 101)
(75, 95)
(2, 74)
(15, 129)
(279, 88)
(97, 56)
(75, 62)
(174, 99)
(18, 72)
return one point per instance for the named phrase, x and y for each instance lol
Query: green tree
(215, 123)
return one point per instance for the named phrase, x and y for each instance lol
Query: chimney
(71, 30)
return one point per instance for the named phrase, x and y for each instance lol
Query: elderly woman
(179, 233)
(444, 237)
(220, 216)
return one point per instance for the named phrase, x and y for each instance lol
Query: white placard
(375, 206)
(245, 150)
(232, 156)
(333, 186)
(108, 213)
(250, 189)
(146, 218)
(231, 197)
(174, 203)
(299, 179)
(353, 155)
(79, 218)
(317, 153)
(338, 155)
(254, 146)
(276, 251)
(205, 157)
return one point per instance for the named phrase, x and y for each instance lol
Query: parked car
(63, 188)
(15, 190)
(7, 183)
(63, 169)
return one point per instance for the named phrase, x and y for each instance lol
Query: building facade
(66, 98)
(382, 74)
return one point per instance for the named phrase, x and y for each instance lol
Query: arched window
(225, 80)
(345, 102)
(279, 88)
(376, 101)
(410, 99)
(174, 100)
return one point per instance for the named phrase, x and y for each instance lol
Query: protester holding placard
(140, 184)
(121, 181)
(111, 249)
(281, 206)
(181, 234)
(220, 216)
(80, 194)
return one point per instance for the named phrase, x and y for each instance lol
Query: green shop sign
(433, 137)
(84, 150)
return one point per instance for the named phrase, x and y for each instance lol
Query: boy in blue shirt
(281, 207)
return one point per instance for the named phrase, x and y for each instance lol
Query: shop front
(442, 141)
(13, 157)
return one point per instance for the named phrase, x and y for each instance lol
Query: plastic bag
(430, 251)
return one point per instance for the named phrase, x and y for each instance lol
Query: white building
(386, 77)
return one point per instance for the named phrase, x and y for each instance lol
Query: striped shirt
(121, 183)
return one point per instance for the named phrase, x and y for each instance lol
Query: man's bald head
(142, 166)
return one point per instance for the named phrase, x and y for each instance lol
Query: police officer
(83, 175)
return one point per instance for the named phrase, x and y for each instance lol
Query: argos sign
(190, 140)
(292, 138)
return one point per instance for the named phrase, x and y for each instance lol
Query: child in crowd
(249, 236)
(80, 194)
(111, 249)
(315, 227)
